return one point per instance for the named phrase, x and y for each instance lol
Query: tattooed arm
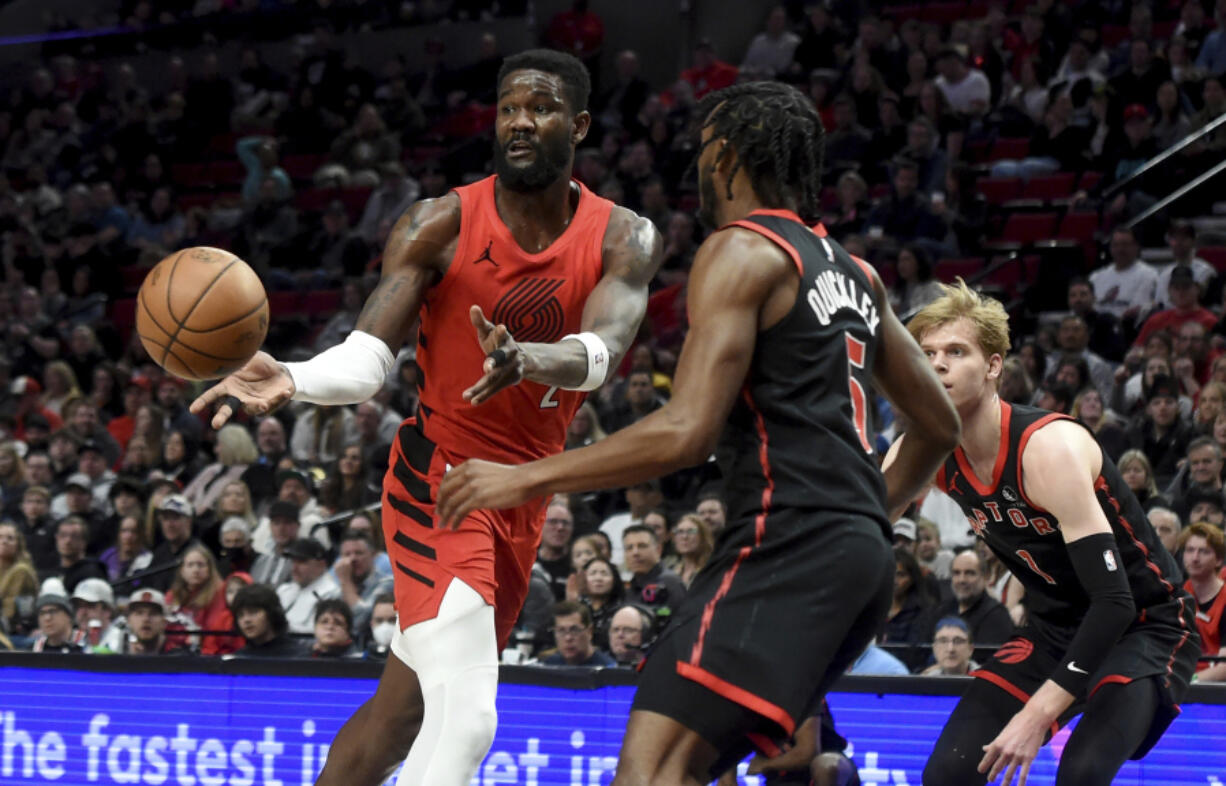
(418, 251)
(632, 252)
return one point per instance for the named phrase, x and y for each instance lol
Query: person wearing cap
(261, 620)
(1128, 287)
(334, 631)
(175, 520)
(148, 626)
(56, 632)
(71, 540)
(905, 535)
(28, 393)
(93, 601)
(87, 426)
(92, 462)
(78, 500)
(170, 399)
(952, 647)
(1181, 240)
(1183, 293)
(966, 90)
(1206, 506)
(273, 566)
(310, 582)
(1162, 434)
(297, 487)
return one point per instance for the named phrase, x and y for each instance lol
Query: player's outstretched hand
(1014, 749)
(504, 360)
(260, 387)
(478, 485)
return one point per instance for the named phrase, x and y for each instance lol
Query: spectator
(233, 501)
(1073, 341)
(333, 631)
(1171, 123)
(1106, 338)
(1203, 554)
(319, 434)
(572, 630)
(159, 226)
(923, 147)
(235, 452)
(360, 151)
(928, 552)
(1209, 405)
(601, 593)
(258, 155)
(261, 476)
(131, 553)
(966, 89)
(310, 582)
(382, 628)
(904, 216)
(650, 584)
(198, 593)
(1139, 82)
(1212, 55)
(18, 582)
(346, 487)
(267, 233)
(712, 510)
(629, 630)
(180, 460)
(38, 528)
(642, 498)
(263, 625)
(298, 487)
(707, 72)
(848, 143)
(1089, 409)
(853, 206)
(71, 538)
(584, 428)
(988, 621)
(93, 601)
(915, 286)
(177, 417)
(272, 567)
(147, 627)
(771, 51)
(1206, 505)
(620, 106)
(56, 632)
(578, 31)
(359, 582)
(59, 386)
(396, 192)
(820, 41)
(1137, 472)
(174, 518)
(952, 646)
(693, 544)
(1162, 434)
(911, 608)
(1181, 239)
(1183, 294)
(554, 552)
(1127, 288)
(236, 553)
(1166, 525)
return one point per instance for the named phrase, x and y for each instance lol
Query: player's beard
(707, 198)
(550, 161)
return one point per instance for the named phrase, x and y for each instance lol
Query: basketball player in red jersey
(787, 330)
(563, 276)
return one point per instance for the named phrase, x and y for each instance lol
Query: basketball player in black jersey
(1109, 631)
(787, 332)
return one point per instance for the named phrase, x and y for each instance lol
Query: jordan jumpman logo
(485, 256)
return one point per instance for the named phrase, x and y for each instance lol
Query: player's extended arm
(1059, 468)
(906, 378)
(733, 274)
(632, 252)
(354, 370)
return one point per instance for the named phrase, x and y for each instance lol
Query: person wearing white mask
(382, 627)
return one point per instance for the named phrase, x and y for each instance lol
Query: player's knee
(951, 767)
(1082, 771)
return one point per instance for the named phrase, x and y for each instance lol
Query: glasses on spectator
(686, 531)
(573, 630)
(946, 641)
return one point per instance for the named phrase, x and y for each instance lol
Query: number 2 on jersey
(859, 401)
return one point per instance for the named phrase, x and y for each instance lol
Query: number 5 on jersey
(859, 401)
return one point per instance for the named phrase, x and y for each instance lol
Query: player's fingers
(1007, 779)
(206, 398)
(221, 416)
(989, 758)
(1023, 774)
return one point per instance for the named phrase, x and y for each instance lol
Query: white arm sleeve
(348, 373)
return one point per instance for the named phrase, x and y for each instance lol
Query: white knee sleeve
(455, 656)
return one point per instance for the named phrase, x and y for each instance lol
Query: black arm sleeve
(1101, 572)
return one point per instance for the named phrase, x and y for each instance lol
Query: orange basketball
(201, 313)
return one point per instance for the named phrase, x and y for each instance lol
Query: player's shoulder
(632, 238)
(1060, 443)
(425, 234)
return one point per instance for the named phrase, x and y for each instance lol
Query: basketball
(201, 313)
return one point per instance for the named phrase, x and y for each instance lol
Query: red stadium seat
(943, 13)
(949, 269)
(284, 304)
(1013, 276)
(200, 199)
(1049, 187)
(1214, 255)
(191, 176)
(1113, 35)
(302, 166)
(1027, 228)
(321, 303)
(1009, 147)
(355, 200)
(1078, 226)
(998, 190)
(132, 276)
(1089, 180)
(315, 199)
(227, 173)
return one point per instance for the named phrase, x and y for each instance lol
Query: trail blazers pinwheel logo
(530, 310)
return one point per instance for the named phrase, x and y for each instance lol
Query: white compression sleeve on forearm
(348, 373)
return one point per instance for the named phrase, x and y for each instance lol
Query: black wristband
(1100, 569)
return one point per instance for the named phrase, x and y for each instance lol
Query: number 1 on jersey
(859, 401)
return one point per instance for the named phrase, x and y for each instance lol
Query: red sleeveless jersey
(539, 297)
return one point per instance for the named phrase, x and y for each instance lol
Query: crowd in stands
(959, 136)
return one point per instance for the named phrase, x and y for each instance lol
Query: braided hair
(778, 138)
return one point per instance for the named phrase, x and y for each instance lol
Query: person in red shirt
(708, 72)
(135, 395)
(27, 391)
(198, 592)
(563, 276)
(1185, 307)
(578, 31)
(1204, 551)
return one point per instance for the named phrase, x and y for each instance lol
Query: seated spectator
(79, 500)
(853, 205)
(1183, 293)
(297, 488)
(71, 539)
(174, 517)
(319, 435)
(382, 628)
(56, 632)
(711, 509)
(693, 544)
(966, 89)
(236, 553)
(267, 233)
(1128, 287)
(18, 582)
(273, 566)
(650, 584)
(159, 226)
(310, 582)
(1161, 434)
(642, 498)
(355, 572)
(1057, 146)
(179, 460)
(261, 477)
(1171, 122)
(346, 486)
(924, 148)
(629, 630)
(368, 522)
(94, 611)
(262, 622)
(584, 428)
(333, 631)
(911, 608)
(1167, 526)
(707, 72)
(988, 621)
(396, 192)
(1201, 471)
(553, 554)
(848, 142)
(148, 627)
(1181, 240)
(952, 647)
(602, 592)
(928, 552)
(258, 155)
(904, 215)
(915, 286)
(771, 50)
(235, 452)
(359, 152)
(198, 593)
(572, 630)
(1203, 555)
(331, 253)
(38, 528)
(1110, 433)
(1206, 505)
